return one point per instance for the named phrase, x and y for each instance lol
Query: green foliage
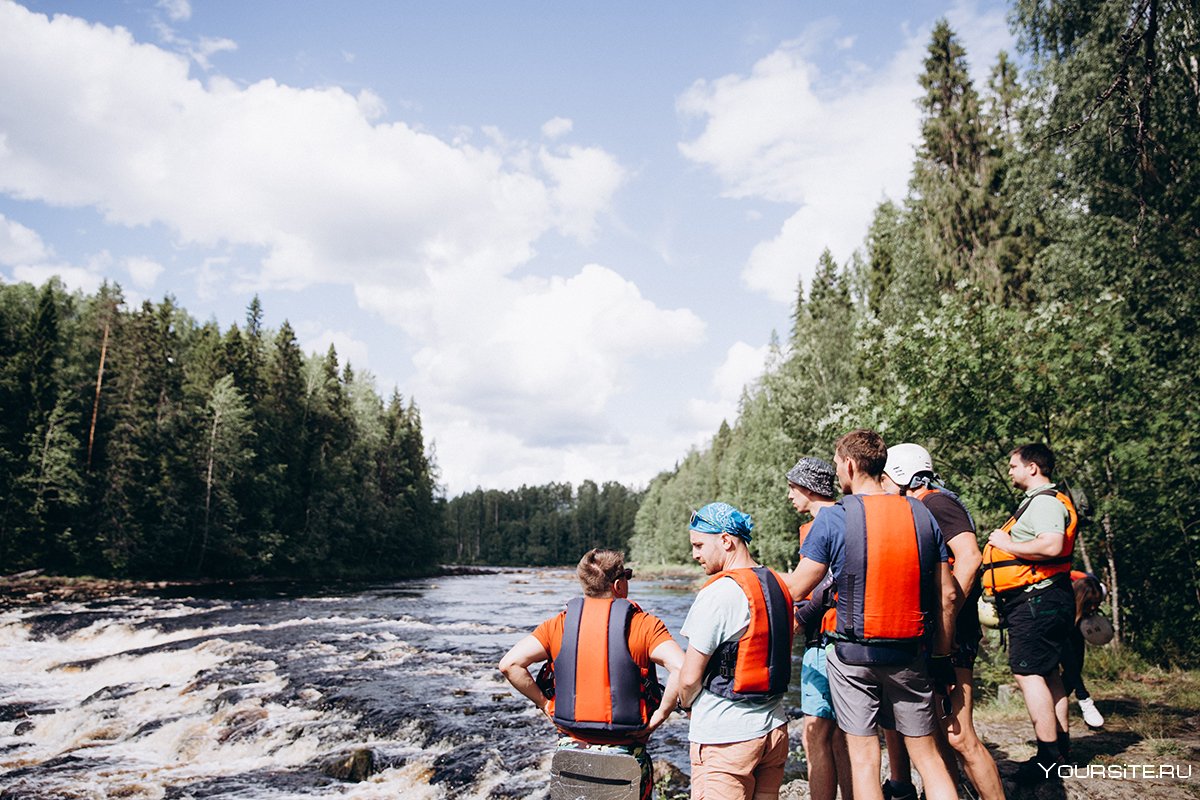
(197, 452)
(539, 525)
(1038, 284)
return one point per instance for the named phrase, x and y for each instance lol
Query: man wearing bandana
(737, 665)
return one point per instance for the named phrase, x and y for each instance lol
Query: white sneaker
(1091, 716)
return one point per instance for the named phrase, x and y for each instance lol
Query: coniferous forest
(138, 442)
(1039, 282)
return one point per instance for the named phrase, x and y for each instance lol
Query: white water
(191, 698)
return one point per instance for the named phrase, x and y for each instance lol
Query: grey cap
(816, 475)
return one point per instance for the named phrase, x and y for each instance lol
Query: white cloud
(833, 145)
(92, 118)
(349, 350)
(85, 279)
(743, 365)
(472, 455)
(557, 127)
(18, 244)
(143, 271)
(539, 357)
(177, 10)
(585, 178)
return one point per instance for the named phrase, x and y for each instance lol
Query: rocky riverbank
(33, 588)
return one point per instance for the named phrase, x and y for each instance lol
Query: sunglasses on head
(704, 524)
(625, 573)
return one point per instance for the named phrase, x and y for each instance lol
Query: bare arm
(515, 666)
(1045, 545)
(804, 578)
(669, 655)
(950, 602)
(967, 559)
(692, 675)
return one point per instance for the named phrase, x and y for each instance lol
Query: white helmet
(904, 461)
(1096, 629)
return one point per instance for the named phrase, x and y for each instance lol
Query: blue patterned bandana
(722, 518)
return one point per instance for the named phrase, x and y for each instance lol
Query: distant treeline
(138, 442)
(1040, 282)
(538, 525)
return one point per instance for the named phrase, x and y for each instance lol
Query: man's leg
(924, 753)
(818, 747)
(1040, 702)
(816, 703)
(841, 758)
(960, 731)
(865, 760)
(899, 766)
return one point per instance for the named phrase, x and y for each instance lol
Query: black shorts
(1038, 625)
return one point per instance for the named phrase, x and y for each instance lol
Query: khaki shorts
(896, 697)
(750, 770)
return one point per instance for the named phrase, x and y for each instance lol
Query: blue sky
(568, 230)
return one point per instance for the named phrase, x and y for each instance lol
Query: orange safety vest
(598, 687)
(1005, 572)
(884, 591)
(759, 664)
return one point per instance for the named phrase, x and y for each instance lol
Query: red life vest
(885, 588)
(1004, 572)
(759, 664)
(598, 686)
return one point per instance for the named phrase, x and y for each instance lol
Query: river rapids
(251, 696)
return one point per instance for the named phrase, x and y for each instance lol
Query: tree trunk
(99, 383)
(208, 484)
(1114, 587)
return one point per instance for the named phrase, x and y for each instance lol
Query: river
(248, 696)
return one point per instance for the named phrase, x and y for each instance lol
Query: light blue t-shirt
(721, 613)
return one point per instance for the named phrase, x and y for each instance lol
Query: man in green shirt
(1027, 566)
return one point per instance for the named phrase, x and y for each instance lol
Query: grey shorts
(899, 698)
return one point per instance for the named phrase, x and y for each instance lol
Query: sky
(566, 230)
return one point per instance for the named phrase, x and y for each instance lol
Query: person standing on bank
(909, 470)
(737, 665)
(1089, 594)
(811, 489)
(896, 597)
(1026, 566)
(600, 692)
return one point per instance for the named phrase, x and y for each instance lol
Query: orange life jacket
(829, 619)
(598, 687)
(759, 664)
(1004, 571)
(885, 587)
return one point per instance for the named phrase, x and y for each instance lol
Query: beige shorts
(750, 770)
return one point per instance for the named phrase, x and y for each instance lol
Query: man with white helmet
(909, 470)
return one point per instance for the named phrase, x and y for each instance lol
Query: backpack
(1079, 499)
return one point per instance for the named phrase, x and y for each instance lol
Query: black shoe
(1034, 771)
(893, 790)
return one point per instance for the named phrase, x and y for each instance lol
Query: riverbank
(33, 588)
